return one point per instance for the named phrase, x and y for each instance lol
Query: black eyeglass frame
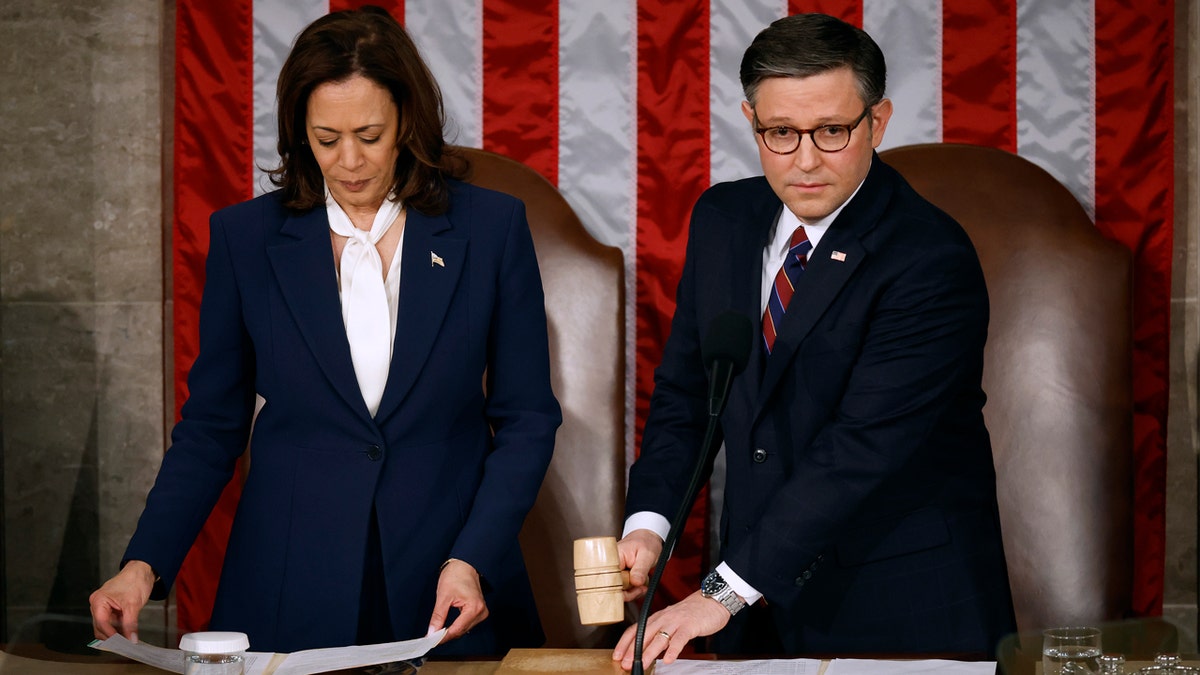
(800, 133)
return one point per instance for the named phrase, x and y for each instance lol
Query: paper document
(759, 667)
(916, 667)
(296, 663)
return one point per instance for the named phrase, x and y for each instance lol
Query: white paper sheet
(921, 667)
(296, 663)
(760, 667)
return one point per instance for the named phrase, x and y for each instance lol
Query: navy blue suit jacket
(860, 492)
(451, 462)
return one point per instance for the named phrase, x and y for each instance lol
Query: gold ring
(665, 634)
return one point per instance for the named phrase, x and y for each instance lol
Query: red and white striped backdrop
(631, 108)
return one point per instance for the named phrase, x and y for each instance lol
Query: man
(860, 502)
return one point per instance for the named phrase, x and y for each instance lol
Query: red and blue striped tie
(785, 285)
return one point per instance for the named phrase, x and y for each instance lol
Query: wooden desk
(517, 662)
(13, 665)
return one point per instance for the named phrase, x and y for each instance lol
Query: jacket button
(800, 583)
(807, 575)
(760, 456)
(374, 453)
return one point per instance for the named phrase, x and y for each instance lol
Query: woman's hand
(458, 586)
(116, 604)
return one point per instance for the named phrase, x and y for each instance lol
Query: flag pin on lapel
(838, 256)
(435, 259)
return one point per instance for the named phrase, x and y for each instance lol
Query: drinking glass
(1073, 650)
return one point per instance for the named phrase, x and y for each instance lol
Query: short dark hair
(809, 44)
(370, 43)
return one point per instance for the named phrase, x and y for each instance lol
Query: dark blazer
(860, 493)
(451, 462)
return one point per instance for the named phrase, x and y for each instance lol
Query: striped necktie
(785, 284)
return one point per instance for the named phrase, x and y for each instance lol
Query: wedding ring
(665, 634)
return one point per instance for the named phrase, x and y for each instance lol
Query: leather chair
(583, 494)
(1057, 373)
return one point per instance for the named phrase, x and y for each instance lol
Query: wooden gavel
(599, 581)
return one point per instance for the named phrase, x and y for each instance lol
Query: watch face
(712, 584)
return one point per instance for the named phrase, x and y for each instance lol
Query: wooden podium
(581, 661)
(527, 661)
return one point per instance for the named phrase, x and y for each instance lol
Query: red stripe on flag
(850, 11)
(1134, 202)
(394, 7)
(979, 66)
(520, 82)
(213, 167)
(673, 169)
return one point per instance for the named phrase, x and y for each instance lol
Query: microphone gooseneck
(725, 349)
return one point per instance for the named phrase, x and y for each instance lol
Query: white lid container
(214, 642)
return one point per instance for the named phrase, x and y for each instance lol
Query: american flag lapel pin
(435, 259)
(838, 256)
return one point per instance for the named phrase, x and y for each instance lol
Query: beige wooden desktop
(517, 662)
(575, 661)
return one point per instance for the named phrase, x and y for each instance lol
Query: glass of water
(1071, 651)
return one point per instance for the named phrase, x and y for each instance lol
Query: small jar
(214, 653)
(1112, 664)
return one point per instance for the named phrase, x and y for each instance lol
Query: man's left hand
(694, 616)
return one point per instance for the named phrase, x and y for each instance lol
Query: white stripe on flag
(1056, 92)
(910, 35)
(733, 25)
(597, 141)
(597, 129)
(450, 37)
(276, 25)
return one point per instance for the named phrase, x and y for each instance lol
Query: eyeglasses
(784, 140)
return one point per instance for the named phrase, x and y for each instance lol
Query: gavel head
(599, 581)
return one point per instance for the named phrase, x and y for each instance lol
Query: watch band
(714, 586)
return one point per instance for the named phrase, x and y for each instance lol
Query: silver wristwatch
(714, 586)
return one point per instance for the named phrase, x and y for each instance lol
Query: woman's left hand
(458, 586)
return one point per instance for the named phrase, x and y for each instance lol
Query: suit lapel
(820, 284)
(426, 290)
(303, 264)
(830, 267)
(747, 291)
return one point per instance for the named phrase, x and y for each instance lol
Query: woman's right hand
(116, 604)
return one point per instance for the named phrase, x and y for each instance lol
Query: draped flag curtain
(630, 107)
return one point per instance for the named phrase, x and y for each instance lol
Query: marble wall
(1183, 427)
(81, 297)
(84, 305)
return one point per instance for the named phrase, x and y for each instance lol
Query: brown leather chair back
(583, 494)
(1057, 373)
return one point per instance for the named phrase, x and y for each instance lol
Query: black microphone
(725, 350)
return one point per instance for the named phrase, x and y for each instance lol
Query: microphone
(725, 350)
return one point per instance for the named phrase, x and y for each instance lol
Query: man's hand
(669, 631)
(638, 553)
(458, 586)
(116, 604)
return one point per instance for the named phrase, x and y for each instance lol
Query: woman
(392, 318)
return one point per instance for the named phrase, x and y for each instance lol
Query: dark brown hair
(802, 45)
(370, 43)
